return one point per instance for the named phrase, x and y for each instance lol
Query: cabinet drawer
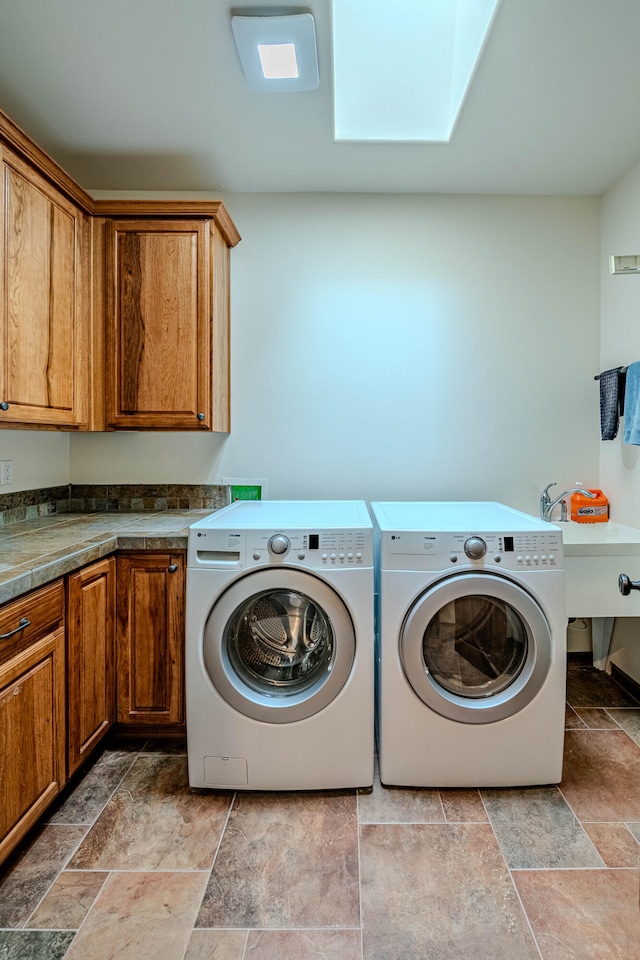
(44, 609)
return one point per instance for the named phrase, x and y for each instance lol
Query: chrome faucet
(547, 504)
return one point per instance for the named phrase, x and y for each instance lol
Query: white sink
(595, 555)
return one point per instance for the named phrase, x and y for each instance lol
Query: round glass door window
(280, 642)
(279, 645)
(475, 646)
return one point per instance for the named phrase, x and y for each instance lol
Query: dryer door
(279, 645)
(476, 648)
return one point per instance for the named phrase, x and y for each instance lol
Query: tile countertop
(35, 552)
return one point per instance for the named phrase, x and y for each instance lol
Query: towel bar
(620, 370)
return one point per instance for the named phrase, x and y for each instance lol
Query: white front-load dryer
(280, 646)
(471, 645)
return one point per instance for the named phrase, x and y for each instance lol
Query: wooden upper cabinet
(167, 325)
(44, 306)
(114, 314)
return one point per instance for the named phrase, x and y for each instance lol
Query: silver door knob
(626, 585)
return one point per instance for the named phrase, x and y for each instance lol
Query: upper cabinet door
(159, 325)
(43, 279)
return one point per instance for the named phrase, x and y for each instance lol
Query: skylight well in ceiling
(401, 70)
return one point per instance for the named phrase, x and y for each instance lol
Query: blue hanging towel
(632, 404)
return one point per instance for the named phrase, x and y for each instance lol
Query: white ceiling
(149, 95)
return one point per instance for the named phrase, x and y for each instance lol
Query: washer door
(476, 648)
(279, 645)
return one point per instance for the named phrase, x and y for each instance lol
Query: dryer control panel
(414, 550)
(312, 549)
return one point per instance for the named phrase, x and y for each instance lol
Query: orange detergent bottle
(588, 509)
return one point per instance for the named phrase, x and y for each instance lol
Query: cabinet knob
(200, 416)
(24, 623)
(626, 584)
(4, 405)
(172, 567)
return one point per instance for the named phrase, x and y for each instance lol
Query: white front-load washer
(280, 646)
(471, 645)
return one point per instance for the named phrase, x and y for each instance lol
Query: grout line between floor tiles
(609, 822)
(526, 915)
(580, 824)
(25, 925)
(91, 767)
(95, 900)
(213, 861)
(511, 880)
(145, 870)
(358, 825)
(139, 870)
(602, 869)
(82, 839)
(310, 929)
(622, 706)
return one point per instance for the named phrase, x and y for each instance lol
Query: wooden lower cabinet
(116, 657)
(32, 710)
(91, 607)
(150, 639)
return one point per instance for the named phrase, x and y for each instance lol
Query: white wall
(40, 458)
(620, 332)
(398, 347)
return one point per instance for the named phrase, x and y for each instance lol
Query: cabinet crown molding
(13, 136)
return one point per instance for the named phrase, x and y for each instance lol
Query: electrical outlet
(6, 472)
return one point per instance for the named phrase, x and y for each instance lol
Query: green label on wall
(246, 493)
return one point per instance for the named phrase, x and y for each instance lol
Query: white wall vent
(628, 264)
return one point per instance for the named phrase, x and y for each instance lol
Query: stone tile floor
(131, 864)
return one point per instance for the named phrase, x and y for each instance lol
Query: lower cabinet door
(32, 736)
(150, 638)
(91, 605)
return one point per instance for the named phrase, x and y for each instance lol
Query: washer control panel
(413, 550)
(314, 549)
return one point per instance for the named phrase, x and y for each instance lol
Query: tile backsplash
(101, 498)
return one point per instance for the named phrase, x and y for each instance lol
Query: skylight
(401, 70)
